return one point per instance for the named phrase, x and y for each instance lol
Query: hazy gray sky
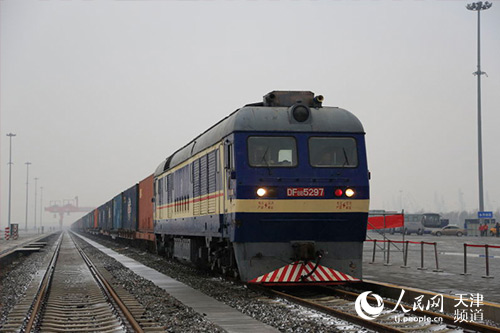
(100, 92)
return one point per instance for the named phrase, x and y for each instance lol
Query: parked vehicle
(451, 230)
(420, 224)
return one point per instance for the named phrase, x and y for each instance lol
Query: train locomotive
(275, 193)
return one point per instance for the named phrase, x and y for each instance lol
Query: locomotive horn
(318, 100)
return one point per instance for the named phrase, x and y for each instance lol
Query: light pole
(41, 209)
(478, 6)
(10, 135)
(36, 179)
(27, 182)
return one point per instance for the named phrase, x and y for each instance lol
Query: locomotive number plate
(305, 192)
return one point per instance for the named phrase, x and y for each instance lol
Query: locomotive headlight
(261, 192)
(349, 192)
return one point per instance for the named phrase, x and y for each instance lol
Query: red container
(146, 228)
(96, 218)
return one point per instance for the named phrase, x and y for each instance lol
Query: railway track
(341, 304)
(73, 295)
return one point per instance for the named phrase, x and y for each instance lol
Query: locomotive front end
(297, 191)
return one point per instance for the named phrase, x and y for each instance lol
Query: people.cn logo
(365, 310)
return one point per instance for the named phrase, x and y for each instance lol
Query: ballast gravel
(279, 313)
(165, 309)
(16, 277)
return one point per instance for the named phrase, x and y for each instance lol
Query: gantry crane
(67, 206)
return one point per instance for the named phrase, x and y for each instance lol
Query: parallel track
(74, 296)
(340, 304)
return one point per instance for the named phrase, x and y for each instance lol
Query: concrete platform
(217, 312)
(28, 249)
(24, 239)
(450, 251)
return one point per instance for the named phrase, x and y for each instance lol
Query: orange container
(146, 206)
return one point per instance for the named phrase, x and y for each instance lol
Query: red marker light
(338, 192)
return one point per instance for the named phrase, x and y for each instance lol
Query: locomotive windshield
(272, 151)
(333, 152)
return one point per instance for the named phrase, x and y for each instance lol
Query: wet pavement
(450, 254)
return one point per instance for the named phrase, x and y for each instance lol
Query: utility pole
(10, 135)
(41, 205)
(27, 183)
(36, 179)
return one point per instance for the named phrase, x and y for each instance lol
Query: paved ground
(24, 237)
(450, 258)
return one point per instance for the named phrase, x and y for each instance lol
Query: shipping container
(109, 215)
(96, 218)
(100, 217)
(88, 221)
(145, 227)
(78, 225)
(117, 212)
(105, 216)
(130, 209)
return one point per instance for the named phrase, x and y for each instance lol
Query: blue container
(117, 212)
(101, 217)
(130, 208)
(105, 217)
(88, 221)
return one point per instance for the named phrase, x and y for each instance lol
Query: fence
(434, 244)
(486, 255)
(405, 252)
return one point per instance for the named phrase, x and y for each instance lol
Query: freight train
(275, 193)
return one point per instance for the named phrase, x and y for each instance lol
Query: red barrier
(485, 245)
(386, 222)
(486, 255)
(422, 257)
(405, 253)
(393, 241)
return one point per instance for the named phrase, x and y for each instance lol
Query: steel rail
(109, 290)
(44, 287)
(337, 313)
(446, 318)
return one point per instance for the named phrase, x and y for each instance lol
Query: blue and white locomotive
(277, 193)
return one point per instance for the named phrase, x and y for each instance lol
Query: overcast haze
(100, 92)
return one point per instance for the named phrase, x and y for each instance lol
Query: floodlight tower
(478, 6)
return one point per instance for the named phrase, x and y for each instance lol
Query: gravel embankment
(285, 316)
(160, 306)
(16, 277)
(163, 308)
